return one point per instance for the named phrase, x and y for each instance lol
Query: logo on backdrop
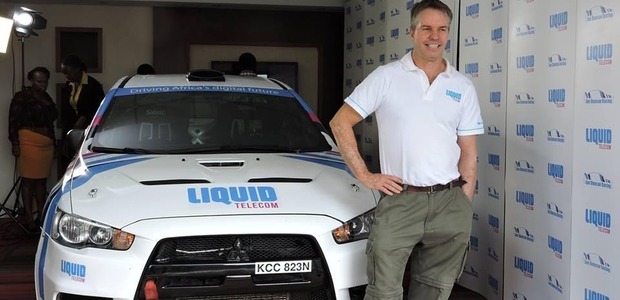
(409, 4)
(471, 69)
(524, 166)
(526, 131)
(382, 16)
(370, 41)
(559, 21)
(554, 135)
(518, 296)
(473, 243)
(394, 33)
(601, 137)
(347, 10)
(556, 171)
(600, 219)
(370, 61)
(358, 25)
(557, 97)
(492, 192)
(382, 59)
(556, 60)
(475, 217)
(596, 261)
(601, 54)
(524, 98)
(394, 12)
(494, 161)
(497, 4)
(526, 199)
(597, 179)
(555, 245)
(492, 130)
(525, 29)
(594, 295)
(493, 254)
(554, 210)
(448, 47)
(599, 12)
(494, 223)
(469, 270)
(394, 56)
(525, 266)
(526, 62)
(553, 282)
(370, 22)
(494, 284)
(497, 35)
(598, 97)
(358, 45)
(358, 63)
(495, 97)
(471, 41)
(472, 11)
(495, 68)
(524, 234)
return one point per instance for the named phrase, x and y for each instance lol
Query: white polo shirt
(418, 123)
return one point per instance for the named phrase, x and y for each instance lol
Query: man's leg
(438, 261)
(399, 225)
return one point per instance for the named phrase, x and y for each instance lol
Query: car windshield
(206, 122)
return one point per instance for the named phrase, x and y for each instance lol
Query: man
(428, 117)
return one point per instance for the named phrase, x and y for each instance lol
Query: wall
(127, 42)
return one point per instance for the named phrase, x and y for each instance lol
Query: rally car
(204, 186)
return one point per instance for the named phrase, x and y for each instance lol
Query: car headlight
(355, 229)
(78, 232)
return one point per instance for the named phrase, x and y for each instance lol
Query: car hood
(119, 190)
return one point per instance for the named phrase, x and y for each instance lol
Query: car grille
(222, 267)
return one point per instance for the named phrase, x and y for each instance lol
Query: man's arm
(467, 163)
(342, 128)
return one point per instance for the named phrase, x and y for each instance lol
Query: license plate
(283, 267)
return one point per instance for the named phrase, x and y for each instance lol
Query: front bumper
(123, 274)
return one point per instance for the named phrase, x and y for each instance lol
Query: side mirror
(75, 137)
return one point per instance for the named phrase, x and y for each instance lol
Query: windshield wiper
(125, 150)
(237, 149)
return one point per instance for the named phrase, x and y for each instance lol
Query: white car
(205, 186)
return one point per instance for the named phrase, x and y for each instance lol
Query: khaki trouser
(433, 228)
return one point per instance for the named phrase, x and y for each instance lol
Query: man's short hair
(424, 4)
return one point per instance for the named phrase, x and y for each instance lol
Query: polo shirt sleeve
(370, 93)
(471, 121)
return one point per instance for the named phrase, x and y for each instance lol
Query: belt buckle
(431, 189)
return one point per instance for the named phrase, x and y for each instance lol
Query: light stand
(13, 213)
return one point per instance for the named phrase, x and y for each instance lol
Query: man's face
(39, 81)
(430, 34)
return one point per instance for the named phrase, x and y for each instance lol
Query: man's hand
(387, 184)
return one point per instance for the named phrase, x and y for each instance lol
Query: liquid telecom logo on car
(559, 21)
(600, 53)
(240, 197)
(76, 272)
(599, 12)
(600, 219)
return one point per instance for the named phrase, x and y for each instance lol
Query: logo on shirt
(454, 95)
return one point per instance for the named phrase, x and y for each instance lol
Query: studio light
(27, 21)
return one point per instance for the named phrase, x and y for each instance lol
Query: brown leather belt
(435, 188)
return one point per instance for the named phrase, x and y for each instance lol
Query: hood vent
(174, 181)
(281, 179)
(217, 164)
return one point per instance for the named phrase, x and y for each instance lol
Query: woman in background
(31, 132)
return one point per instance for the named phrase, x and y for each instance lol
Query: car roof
(182, 80)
